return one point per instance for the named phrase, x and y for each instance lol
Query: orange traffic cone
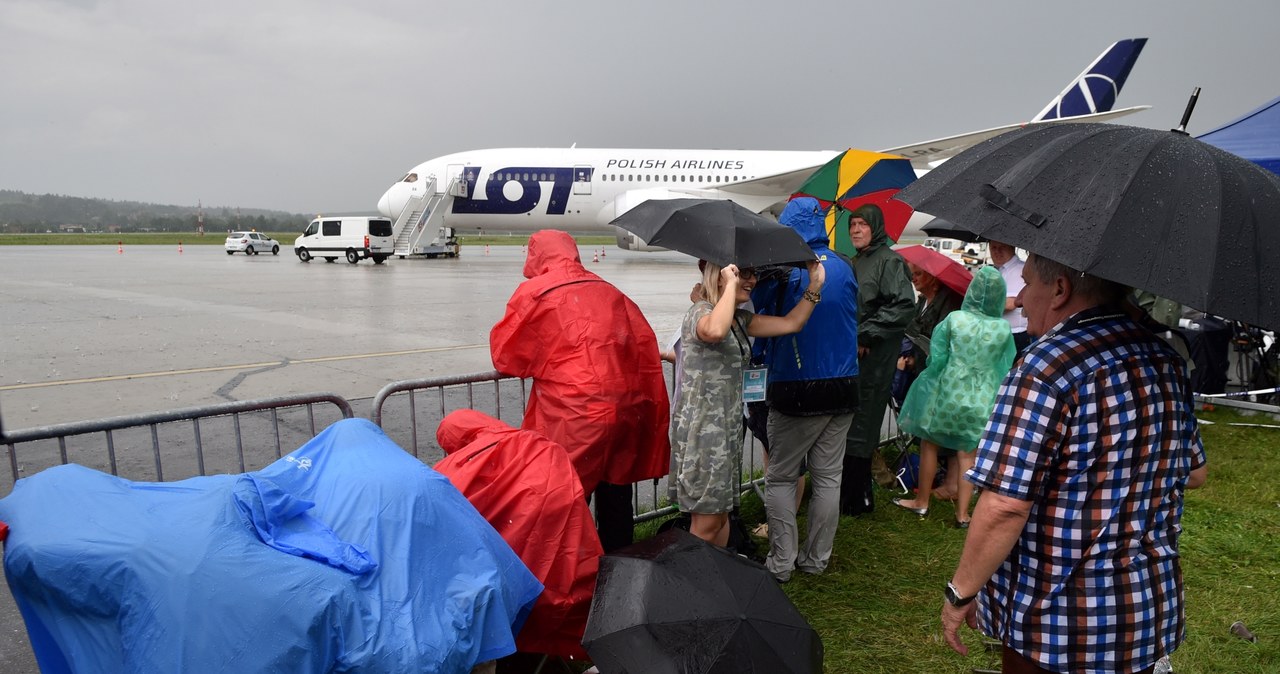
(179, 247)
(602, 252)
(119, 248)
(595, 257)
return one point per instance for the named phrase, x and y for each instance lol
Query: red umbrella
(951, 273)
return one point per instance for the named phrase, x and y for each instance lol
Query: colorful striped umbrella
(857, 177)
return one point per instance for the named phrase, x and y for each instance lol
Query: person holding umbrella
(1082, 468)
(707, 424)
(1085, 463)
(935, 302)
(886, 304)
(948, 405)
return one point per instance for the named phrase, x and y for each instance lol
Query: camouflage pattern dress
(706, 427)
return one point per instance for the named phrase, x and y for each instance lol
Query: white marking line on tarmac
(245, 366)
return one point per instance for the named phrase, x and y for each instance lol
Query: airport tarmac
(90, 333)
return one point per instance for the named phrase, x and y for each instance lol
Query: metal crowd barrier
(187, 454)
(399, 410)
(223, 438)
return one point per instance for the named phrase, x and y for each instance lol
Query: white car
(251, 243)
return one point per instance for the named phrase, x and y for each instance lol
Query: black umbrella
(716, 230)
(1156, 210)
(945, 229)
(675, 604)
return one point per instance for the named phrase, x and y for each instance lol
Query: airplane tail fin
(1095, 89)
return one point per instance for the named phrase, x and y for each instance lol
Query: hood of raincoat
(461, 427)
(550, 250)
(526, 487)
(806, 216)
(986, 294)
(874, 217)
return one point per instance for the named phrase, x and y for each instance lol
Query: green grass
(877, 606)
(218, 238)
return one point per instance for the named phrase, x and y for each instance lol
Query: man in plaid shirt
(1073, 549)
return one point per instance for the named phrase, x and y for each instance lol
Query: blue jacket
(814, 371)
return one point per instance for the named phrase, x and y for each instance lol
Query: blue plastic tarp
(1255, 136)
(347, 555)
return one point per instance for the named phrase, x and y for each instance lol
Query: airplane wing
(779, 183)
(927, 155)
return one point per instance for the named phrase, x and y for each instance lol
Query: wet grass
(877, 606)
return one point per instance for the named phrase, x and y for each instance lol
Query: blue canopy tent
(1255, 136)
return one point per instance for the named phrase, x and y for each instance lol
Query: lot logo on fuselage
(530, 179)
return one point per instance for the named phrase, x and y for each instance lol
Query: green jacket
(886, 300)
(886, 304)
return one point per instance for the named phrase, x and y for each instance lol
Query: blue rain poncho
(347, 555)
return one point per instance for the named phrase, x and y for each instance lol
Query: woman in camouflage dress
(706, 427)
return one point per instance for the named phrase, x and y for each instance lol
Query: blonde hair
(711, 282)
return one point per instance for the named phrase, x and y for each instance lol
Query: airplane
(582, 190)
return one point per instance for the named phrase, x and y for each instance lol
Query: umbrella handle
(1186, 115)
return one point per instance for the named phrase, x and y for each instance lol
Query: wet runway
(89, 333)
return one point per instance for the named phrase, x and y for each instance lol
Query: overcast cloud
(317, 106)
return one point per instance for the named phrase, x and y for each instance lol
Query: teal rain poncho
(972, 351)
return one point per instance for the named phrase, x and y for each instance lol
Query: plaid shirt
(1095, 427)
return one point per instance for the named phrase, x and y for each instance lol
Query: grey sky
(318, 105)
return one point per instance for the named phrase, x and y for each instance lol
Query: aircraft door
(452, 173)
(582, 179)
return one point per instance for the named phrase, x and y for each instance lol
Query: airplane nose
(385, 203)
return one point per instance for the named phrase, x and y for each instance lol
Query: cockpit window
(411, 178)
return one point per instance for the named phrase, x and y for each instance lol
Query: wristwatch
(954, 598)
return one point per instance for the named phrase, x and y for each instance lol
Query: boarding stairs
(422, 214)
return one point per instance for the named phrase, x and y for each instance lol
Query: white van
(971, 255)
(350, 236)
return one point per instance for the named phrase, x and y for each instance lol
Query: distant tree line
(21, 212)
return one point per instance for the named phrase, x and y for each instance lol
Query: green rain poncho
(971, 352)
(886, 304)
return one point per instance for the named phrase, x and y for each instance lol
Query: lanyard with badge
(755, 381)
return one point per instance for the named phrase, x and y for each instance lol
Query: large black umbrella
(675, 604)
(1156, 210)
(716, 230)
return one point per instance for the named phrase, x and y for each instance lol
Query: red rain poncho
(524, 485)
(598, 388)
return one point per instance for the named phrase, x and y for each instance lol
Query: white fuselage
(572, 189)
